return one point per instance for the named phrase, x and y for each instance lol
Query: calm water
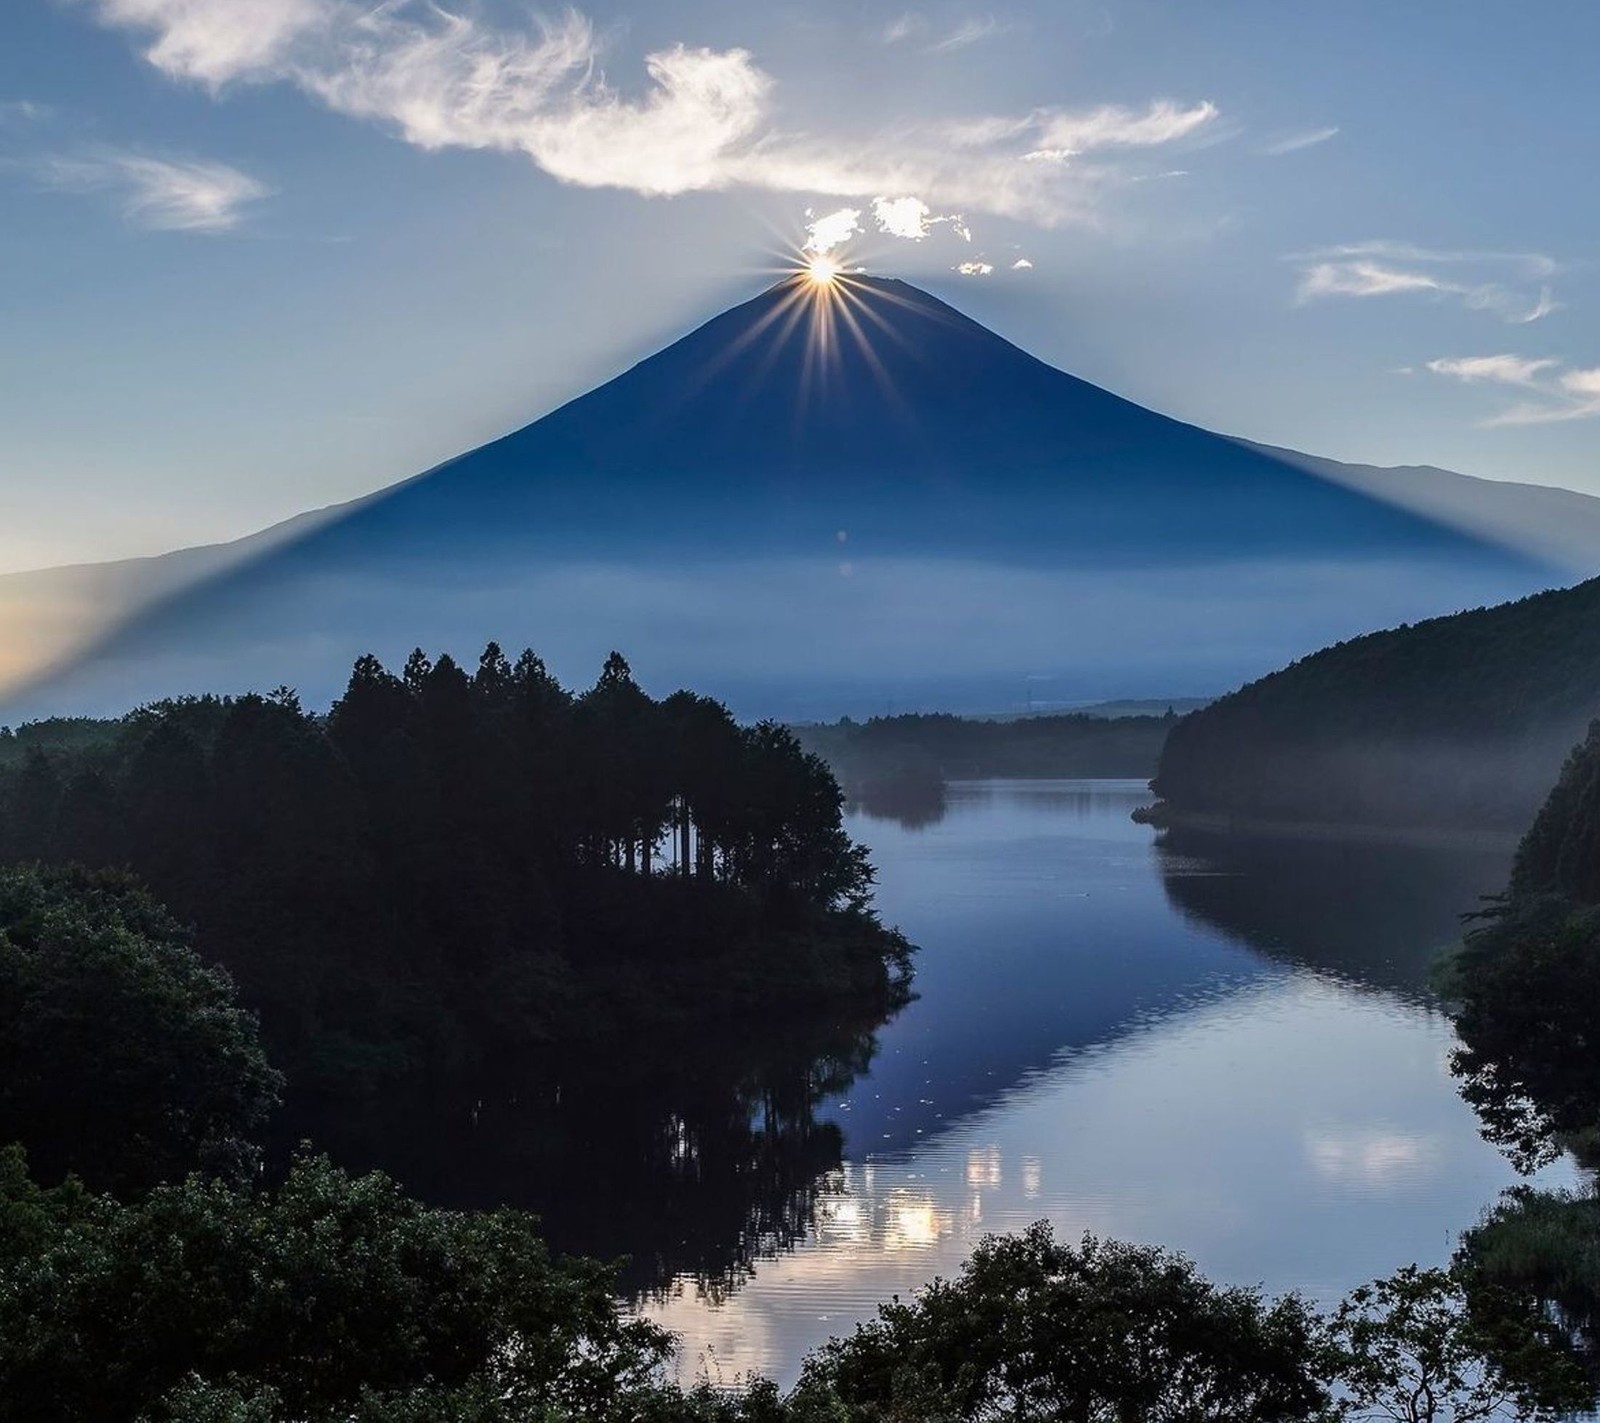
(1227, 1050)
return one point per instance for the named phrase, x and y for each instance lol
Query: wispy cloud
(1294, 142)
(968, 32)
(1507, 284)
(913, 26)
(218, 40)
(903, 27)
(19, 113)
(1498, 370)
(974, 269)
(164, 194)
(1574, 394)
(706, 119)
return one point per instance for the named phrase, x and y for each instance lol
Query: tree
(1097, 1333)
(332, 1297)
(1411, 1351)
(123, 1058)
(1527, 994)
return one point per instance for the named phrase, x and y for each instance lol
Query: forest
(451, 865)
(898, 764)
(152, 1272)
(1459, 723)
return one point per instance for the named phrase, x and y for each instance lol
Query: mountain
(823, 500)
(1457, 722)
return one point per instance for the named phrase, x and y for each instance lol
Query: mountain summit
(828, 497)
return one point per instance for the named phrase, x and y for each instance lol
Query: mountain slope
(815, 502)
(1459, 722)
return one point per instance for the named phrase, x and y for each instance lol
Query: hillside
(819, 501)
(1459, 722)
(959, 748)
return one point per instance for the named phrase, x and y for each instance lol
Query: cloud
(1572, 395)
(1501, 370)
(902, 217)
(902, 28)
(825, 233)
(1294, 142)
(218, 40)
(974, 269)
(163, 194)
(1022, 264)
(909, 25)
(967, 32)
(912, 218)
(15, 113)
(1497, 282)
(705, 120)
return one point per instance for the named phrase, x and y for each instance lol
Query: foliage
(450, 864)
(1536, 1257)
(123, 1058)
(1560, 854)
(1412, 1351)
(1459, 722)
(331, 1297)
(1038, 1329)
(1526, 990)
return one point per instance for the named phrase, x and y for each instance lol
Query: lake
(1223, 1048)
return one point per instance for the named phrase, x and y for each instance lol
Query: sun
(821, 270)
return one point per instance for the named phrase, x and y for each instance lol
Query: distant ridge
(1458, 723)
(809, 505)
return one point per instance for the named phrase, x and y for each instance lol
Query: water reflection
(692, 1159)
(1228, 1056)
(1375, 913)
(1222, 1048)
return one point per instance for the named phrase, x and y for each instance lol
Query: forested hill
(1459, 722)
(954, 748)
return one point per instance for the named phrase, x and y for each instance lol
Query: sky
(260, 256)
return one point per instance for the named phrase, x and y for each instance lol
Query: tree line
(451, 860)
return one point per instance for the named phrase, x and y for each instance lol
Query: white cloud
(911, 218)
(218, 40)
(967, 32)
(1022, 264)
(1573, 395)
(1361, 279)
(1501, 370)
(1496, 282)
(1294, 142)
(902, 217)
(164, 194)
(832, 229)
(1066, 135)
(707, 119)
(974, 269)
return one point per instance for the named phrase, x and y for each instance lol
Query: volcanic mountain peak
(827, 494)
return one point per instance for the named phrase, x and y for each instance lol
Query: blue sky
(263, 255)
